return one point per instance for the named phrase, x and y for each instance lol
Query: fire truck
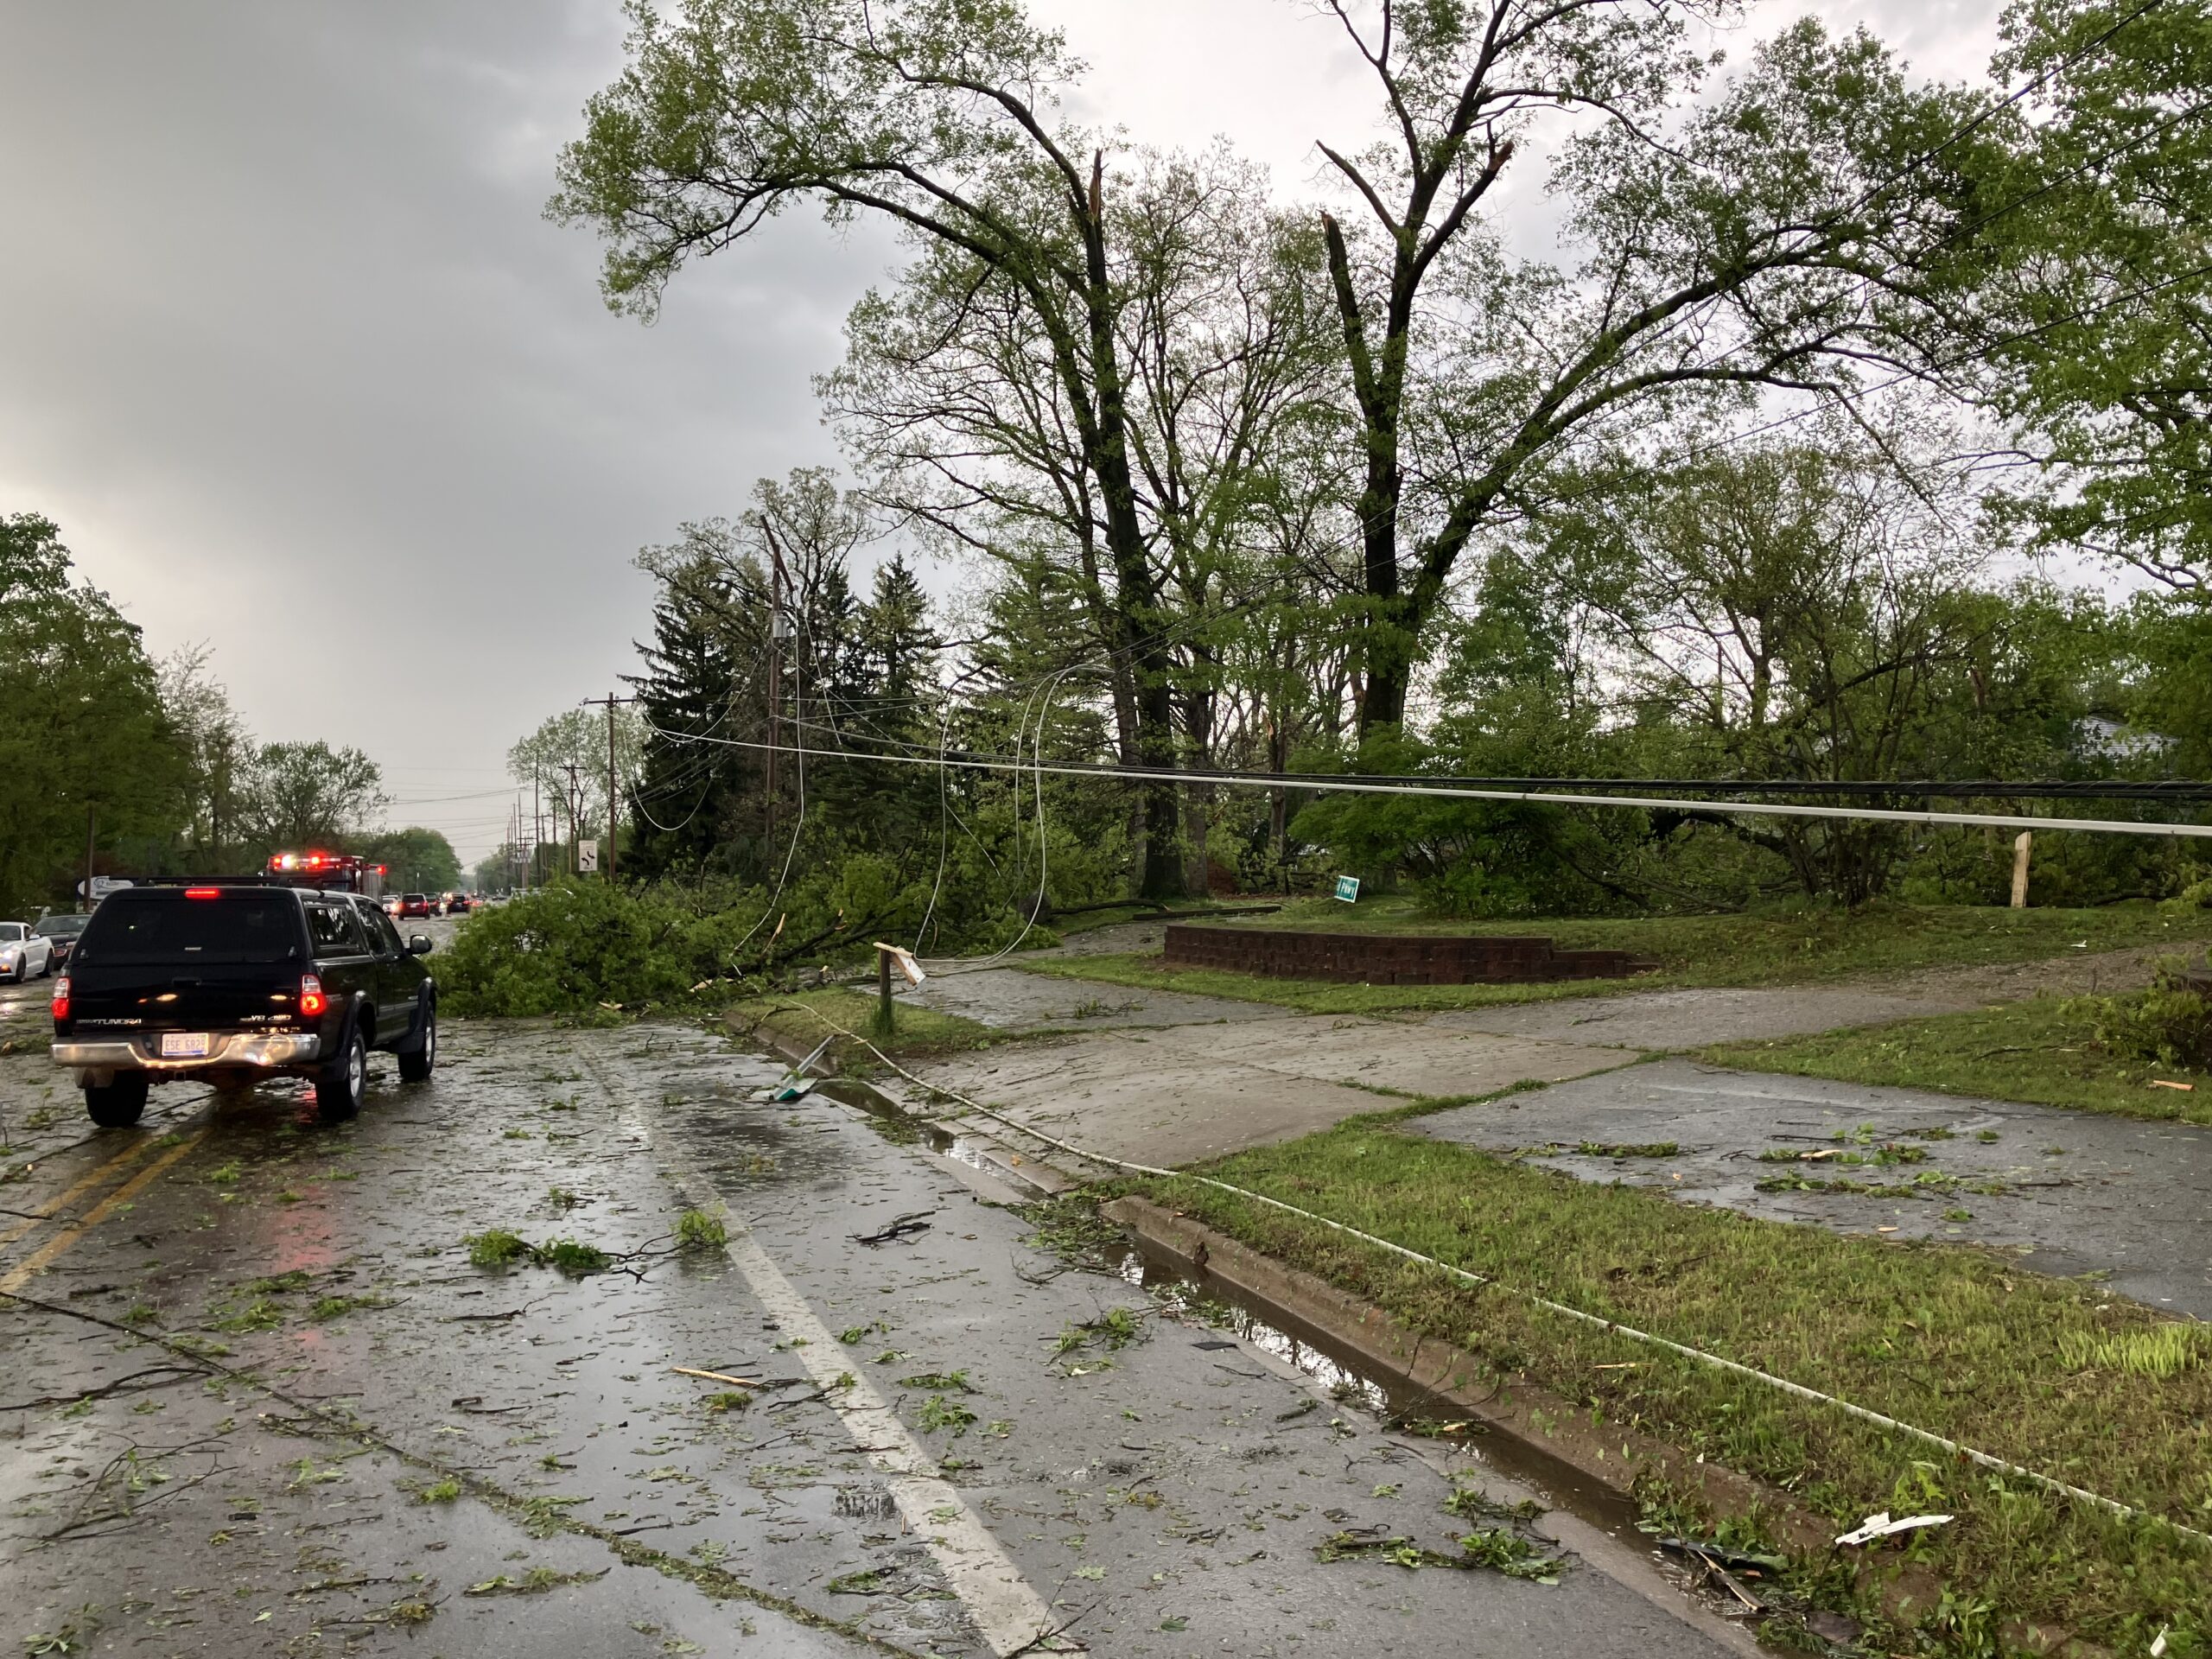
(331, 871)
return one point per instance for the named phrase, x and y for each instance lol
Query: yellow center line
(36, 1262)
(60, 1201)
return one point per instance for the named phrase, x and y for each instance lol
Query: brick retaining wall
(1388, 959)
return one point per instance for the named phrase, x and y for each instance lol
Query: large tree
(415, 859)
(2097, 296)
(309, 795)
(939, 116)
(1803, 609)
(219, 755)
(1761, 237)
(566, 758)
(949, 398)
(85, 744)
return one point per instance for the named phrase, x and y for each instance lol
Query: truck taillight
(312, 1000)
(62, 997)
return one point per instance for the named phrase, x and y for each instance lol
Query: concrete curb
(1552, 1429)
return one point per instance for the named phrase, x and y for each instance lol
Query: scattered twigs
(172, 1373)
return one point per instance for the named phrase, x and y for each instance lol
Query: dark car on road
(63, 929)
(232, 980)
(454, 904)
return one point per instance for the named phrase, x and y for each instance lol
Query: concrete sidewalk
(2078, 1191)
(1185, 1079)
(1191, 1092)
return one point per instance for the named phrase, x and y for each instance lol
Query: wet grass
(2041, 1051)
(2056, 1375)
(1778, 947)
(806, 1017)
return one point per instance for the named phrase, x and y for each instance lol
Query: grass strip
(2056, 1375)
(809, 1016)
(1776, 947)
(2042, 1051)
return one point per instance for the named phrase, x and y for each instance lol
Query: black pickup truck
(226, 980)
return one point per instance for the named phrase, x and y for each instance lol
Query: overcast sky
(281, 324)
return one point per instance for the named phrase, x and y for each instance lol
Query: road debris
(1880, 1526)
(795, 1083)
(719, 1377)
(905, 1227)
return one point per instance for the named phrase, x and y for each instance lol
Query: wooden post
(2021, 848)
(884, 1025)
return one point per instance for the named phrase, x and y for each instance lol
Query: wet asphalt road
(272, 1408)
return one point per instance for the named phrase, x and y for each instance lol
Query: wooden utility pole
(778, 579)
(2021, 848)
(576, 794)
(92, 821)
(613, 811)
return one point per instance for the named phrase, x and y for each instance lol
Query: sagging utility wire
(1353, 784)
(1717, 1362)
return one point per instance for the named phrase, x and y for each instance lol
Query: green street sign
(1348, 889)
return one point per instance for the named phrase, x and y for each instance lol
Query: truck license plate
(184, 1045)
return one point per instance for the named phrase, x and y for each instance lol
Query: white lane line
(1009, 1614)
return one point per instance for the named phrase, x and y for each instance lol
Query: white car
(23, 954)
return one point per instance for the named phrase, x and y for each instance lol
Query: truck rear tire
(420, 1057)
(118, 1104)
(338, 1086)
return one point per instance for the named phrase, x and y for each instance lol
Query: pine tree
(688, 793)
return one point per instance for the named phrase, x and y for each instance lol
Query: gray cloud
(288, 351)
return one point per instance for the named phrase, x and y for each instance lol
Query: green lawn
(1767, 948)
(2042, 1052)
(2046, 1373)
(807, 1017)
